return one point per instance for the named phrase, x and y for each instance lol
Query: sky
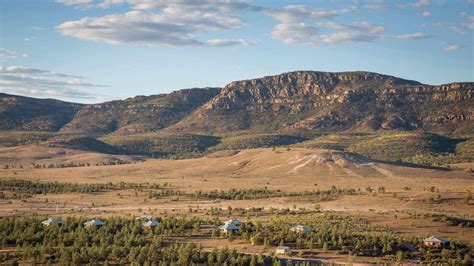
(92, 51)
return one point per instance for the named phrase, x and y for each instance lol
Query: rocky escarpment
(319, 102)
(139, 114)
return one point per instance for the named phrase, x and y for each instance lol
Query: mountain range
(274, 110)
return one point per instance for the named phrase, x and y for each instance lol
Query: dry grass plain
(411, 194)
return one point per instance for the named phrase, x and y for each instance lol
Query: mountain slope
(311, 103)
(30, 114)
(139, 114)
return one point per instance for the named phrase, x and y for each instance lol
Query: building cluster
(234, 225)
(149, 222)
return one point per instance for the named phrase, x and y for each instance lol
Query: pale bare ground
(297, 169)
(250, 168)
(25, 155)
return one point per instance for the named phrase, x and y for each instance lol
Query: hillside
(138, 114)
(312, 103)
(30, 114)
(162, 145)
(398, 146)
(379, 116)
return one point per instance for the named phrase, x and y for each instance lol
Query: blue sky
(96, 50)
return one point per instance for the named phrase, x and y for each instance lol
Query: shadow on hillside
(414, 165)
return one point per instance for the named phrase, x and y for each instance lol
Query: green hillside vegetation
(30, 114)
(162, 145)
(404, 146)
(401, 146)
(256, 141)
(139, 114)
(15, 138)
(340, 141)
(82, 143)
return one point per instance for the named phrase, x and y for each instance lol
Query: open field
(249, 184)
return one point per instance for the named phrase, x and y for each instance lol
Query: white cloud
(375, 5)
(462, 27)
(292, 13)
(6, 55)
(426, 13)
(109, 3)
(176, 23)
(413, 36)
(451, 48)
(227, 42)
(417, 4)
(45, 83)
(301, 24)
(76, 3)
(360, 31)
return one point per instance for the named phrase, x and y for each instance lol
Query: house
(282, 250)
(145, 217)
(94, 222)
(301, 229)
(52, 221)
(151, 223)
(230, 227)
(435, 241)
(234, 222)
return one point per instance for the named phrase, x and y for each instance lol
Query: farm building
(94, 222)
(282, 250)
(435, 241)
(301, 229)
(230, 227)
(234, 222)
(151, 223)
(52, 221)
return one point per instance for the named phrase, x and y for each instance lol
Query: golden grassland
(411, 194)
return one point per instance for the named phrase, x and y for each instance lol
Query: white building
(234, 222)
(52, 221)
(151, 223)
(230, 227)
(94, 222)
(301, 229)
(282, 250)
(435, 241)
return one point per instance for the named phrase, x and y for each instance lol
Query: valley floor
(413, 201)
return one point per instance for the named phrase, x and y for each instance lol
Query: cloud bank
(45, 83)
(173, 23)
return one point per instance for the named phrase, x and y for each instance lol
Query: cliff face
(318, 102)
(139, 114)
(301, 102)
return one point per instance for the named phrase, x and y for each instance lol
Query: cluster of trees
(119, 241)
(76, 164)
(258, 193)
(346, 235)
(26, 188)
(453, 221)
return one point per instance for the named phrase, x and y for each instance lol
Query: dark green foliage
(26, 188)
(393, 146)
(256, 141)
(259, 193)
(29, 114)
(119, 241)
(82, 143)
(15, 138)
(163, 145)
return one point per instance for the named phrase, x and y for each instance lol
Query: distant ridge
(305, 103)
